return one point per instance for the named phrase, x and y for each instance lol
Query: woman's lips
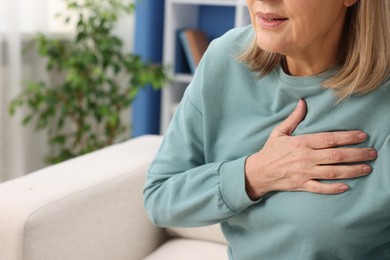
(270, 21)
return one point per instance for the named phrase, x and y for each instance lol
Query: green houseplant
(82, 113)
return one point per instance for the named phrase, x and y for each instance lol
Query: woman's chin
(269, 45)
(269, 48)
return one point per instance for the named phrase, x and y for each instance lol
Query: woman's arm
(183, 190)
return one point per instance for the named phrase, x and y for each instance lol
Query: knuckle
(337, 155)
(331, 174)
(297, 142)
(315, 189)
(295, 185)
(276, 129)
(329, 139)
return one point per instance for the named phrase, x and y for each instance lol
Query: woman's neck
(300, 67)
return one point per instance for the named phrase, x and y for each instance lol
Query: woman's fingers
(324, 188)
(344, 155)
(320, 140)
(334, 172)
(296, 163)
(288, 126)
(333, 139)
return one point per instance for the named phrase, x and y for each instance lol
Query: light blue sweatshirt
(226, 114)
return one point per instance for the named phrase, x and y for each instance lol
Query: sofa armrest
(90, 207)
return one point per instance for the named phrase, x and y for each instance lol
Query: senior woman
(237, 148)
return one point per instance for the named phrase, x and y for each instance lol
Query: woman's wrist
(251, 179)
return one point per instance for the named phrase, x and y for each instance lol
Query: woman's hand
(296, 163)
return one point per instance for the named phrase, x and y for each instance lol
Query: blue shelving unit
(215, 20)
(149, 22)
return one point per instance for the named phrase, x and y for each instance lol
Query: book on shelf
(195, 43)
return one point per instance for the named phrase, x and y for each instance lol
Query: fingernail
(367, 169)
(362, 136)
(373, 154)
(300, 103)
(344, 188)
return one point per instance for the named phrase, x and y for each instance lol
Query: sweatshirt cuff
(232, 181)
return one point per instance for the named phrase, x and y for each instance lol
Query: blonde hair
(364, 57)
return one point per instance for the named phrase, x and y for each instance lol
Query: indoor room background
(151, 32)
(22, 149)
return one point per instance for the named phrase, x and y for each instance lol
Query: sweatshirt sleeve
(181, 188)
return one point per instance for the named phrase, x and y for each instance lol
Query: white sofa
(91, 208)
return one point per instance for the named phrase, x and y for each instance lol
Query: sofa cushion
(211, 233)
(87, 208)
(189, 249)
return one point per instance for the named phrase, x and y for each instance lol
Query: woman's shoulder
(222, 53)
(382, 93)
(219, 64)
(237, 35)
(233, 42)
(386, 84)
